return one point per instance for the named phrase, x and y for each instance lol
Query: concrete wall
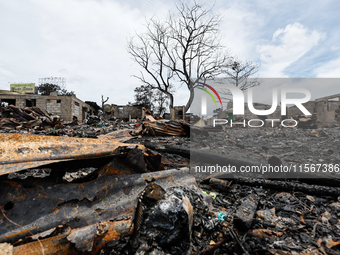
(210, 122)
(294, 110)
(178, 113)
(323, 107)
(124, 111)
(54, 106)
(64, 106)
(325, 110)
(222, 115)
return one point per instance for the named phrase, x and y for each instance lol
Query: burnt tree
(181, 49)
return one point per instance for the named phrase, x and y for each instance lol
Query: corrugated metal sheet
(92, 210)
(163, 128)
(18, 152)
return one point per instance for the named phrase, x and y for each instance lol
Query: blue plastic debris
(221, 215)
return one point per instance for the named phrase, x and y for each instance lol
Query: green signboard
(22, 87)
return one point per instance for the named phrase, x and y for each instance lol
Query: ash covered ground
(281, 216)
(290, 145)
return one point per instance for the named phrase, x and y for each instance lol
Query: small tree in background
(144, 97)
(162, 102)
(238, 75)
(48, 88)
(152, 100)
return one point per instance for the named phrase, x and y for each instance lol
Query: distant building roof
(93, 104)
(326, 98)
(9, 92)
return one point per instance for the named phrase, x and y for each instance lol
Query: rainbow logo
(202, 85)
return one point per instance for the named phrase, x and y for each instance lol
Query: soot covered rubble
(290, 145)
(238, 219)
(282, 216)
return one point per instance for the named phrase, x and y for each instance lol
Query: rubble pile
(161, 223)
(161, 128)
(269, 221)
(229, 218)
(306, 122)
(54, 126)
(75, 129)
(291, 146)
(33, 120)
(15, 118)
(288, 145)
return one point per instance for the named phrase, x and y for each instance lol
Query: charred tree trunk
(191, 99)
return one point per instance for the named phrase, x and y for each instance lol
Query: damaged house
(67, 107)
(323, 107)
(137, 112)
(128, 111)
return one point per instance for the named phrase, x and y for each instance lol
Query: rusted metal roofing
(162, 127)
(91, 214)
(18, 152)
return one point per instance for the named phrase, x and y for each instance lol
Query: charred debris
(115, 187)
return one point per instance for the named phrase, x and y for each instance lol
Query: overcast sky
(85, 41)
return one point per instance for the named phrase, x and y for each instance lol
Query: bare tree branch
(182, 49)
(239, 75)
